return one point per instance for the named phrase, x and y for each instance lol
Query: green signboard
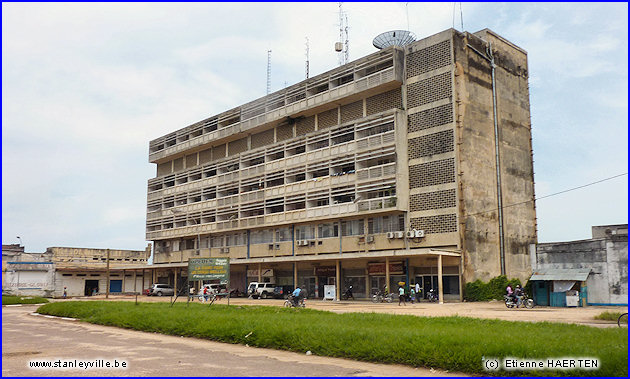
(209, 269)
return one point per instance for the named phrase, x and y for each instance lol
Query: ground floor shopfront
(439, 270)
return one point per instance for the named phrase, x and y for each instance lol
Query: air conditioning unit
(399, 234)
(270, 246)
(310, 242)
(419, 233)
(302, 243)
(369, 239)
(410, 234)
(224, 250)
(277, 246)
(390, 235)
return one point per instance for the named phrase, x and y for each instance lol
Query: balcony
(284, 104)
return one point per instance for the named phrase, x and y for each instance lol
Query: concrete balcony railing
(370, 82)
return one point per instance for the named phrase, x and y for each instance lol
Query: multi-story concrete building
(325, 181)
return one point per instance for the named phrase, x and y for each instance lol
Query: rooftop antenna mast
(461, 15)
(346, 52)
(342, 46)
(307, 62)
(268, 71)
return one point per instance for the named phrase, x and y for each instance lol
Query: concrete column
(295, 276)
(338, 281)
(259, 272)
(175, 280)
(461, 284)
(122, 290)
(387, 274)
(440, 286)
(135, 282)
(153, 276)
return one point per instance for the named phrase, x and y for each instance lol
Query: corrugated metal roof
(579, 274)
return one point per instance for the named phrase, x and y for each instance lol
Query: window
(304, 232)
(261, 236)
(283, 234)
(386, 224)
(328, 230)
(352, 228)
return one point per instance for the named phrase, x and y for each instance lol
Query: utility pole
(107, 285)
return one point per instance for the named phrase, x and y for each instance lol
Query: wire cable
(550, 195)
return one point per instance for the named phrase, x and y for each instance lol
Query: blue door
(115, 286)
(541, 292)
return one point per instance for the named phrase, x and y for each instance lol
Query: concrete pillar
(175, 280)
(461, 284)
(122, 290)
(135, 282)
(295, 276)
(387, 274)
(153, 276)
(259, 272)
(440, 286)
(338, 281)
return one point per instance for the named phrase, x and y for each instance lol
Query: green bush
(494, 289)
(451, 343)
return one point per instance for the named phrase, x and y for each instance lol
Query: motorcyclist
(349, 293)
(296, 295)
(519, 293)
(510, 293)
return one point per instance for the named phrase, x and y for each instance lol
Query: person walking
(65, 292)
(412, 295)
(418, 292)
(401, 296)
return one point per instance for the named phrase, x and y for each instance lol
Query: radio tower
(307, 62)
(268, 71)
(342, 46)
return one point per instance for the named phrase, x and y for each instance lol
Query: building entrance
(91, 287)
(377, 283)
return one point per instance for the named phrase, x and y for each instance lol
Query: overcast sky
(85, 87)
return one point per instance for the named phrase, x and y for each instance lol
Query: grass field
(11, 300)
(450, 343)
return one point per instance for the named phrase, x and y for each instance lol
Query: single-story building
(585, 272)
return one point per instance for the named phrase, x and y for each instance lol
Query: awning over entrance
(573, 274)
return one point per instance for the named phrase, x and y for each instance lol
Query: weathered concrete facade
(335, 172)
(606, 255)
(82, 271)
(27, 274)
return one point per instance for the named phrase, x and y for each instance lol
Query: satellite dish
(393, 38)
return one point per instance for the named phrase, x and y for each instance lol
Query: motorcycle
(347, 294)
(290, 302)
(432, 296)
(382, 297)
(511, 302)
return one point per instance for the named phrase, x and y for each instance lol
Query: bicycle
(623, 319)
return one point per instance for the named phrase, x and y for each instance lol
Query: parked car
(213, 288)
(262, 290)
(282, 292)
(161, 290)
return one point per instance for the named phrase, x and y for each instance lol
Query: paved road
(26, 337)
